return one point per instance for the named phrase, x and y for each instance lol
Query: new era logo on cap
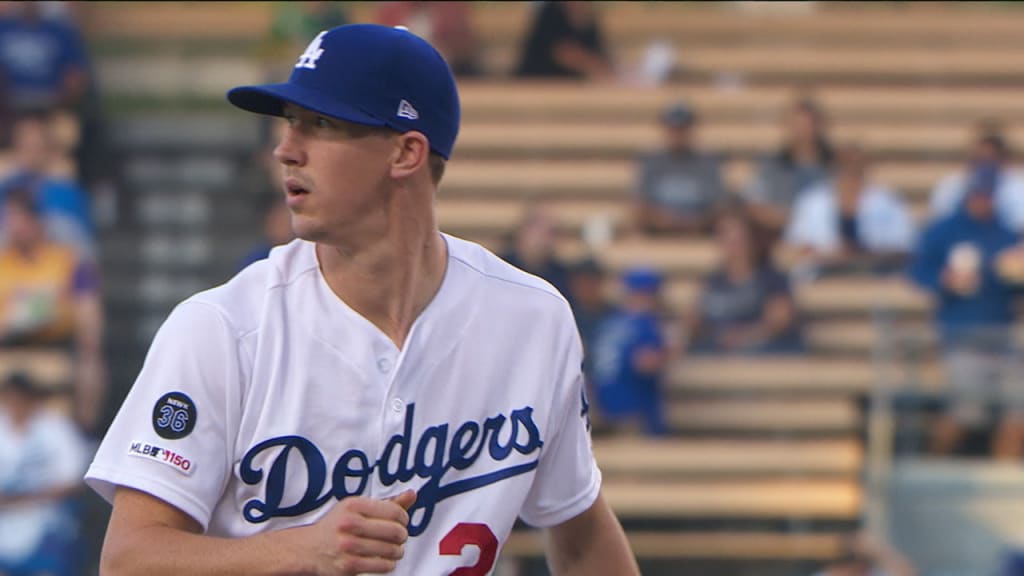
(405, 110)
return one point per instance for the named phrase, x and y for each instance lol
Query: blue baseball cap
(641, 280)
(371, 75)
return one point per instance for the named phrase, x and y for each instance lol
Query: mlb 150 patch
(162, 455)
(174, 416)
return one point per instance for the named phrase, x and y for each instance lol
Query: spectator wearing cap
(746, 305)
(49, 297)
(590, 306)
(564, 41)
(42, 460)
(848, 223)
(678, 187)
(630, 356)
(970, 263)
(989, 147)
(804, 159)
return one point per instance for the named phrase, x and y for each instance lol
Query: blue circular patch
(174, 416)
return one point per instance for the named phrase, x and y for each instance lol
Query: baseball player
(375, 396)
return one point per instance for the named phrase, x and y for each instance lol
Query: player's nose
(289, 151)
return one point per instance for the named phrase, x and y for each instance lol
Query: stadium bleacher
(760, 439)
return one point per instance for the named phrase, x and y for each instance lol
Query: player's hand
(361, 535)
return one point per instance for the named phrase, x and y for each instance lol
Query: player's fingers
(373, 528)
(360, 565)
(405, 499)
(380, 509)
(351, 545)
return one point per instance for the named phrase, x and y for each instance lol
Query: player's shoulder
(240, 299)
(503, 282)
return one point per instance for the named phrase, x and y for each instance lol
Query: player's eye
(322, 122)
(289, 118)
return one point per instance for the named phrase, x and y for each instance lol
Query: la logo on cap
(405, 110)
(312, 54)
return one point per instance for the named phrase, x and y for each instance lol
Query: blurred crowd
(51, 313)
(810, 210)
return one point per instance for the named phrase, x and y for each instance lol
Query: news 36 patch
(174, 416)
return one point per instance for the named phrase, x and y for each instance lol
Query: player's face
(334, 176)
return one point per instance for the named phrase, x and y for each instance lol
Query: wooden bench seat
(645, 457)
(857, 336)
(540, 178)
(741, 414)
(609, 139)
(525, 101)
(785, 376)
(625, 21)
(760, 498)
(703, 545)
(771, 374)
(827, 297)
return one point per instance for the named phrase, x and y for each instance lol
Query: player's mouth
(294, 190)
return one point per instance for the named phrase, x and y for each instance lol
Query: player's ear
(411, 156)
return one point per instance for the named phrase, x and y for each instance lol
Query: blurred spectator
(564, 41)
(277, 230)
(805, 159)
(448, 26)
(849, 224)
(49, 297)
(42, 59)
(589, 305)
(630, 356)
(679, 186)
(863, 556)
(746, 306)
(295, 24)
(990, 147)
(42, 460)
(533, 250)
(61, 203)
(972, 265)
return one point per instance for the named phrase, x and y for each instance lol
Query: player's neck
(389, 282)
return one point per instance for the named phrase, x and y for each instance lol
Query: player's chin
(308, 229)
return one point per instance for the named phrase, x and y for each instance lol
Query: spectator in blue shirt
(63, 206)
(43, 60)
(590, 307)
(970, 263)
(630, 356)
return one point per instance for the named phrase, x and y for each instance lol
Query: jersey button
(384, 365)
(397, 405)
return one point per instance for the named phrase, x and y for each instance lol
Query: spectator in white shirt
(848, 223)
(990, 147)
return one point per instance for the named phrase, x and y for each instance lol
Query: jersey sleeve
(173, 435)
(567, 481)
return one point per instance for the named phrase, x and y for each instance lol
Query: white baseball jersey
(263, 401)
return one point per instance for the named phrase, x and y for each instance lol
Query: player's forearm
(159, 551)
(592, 544)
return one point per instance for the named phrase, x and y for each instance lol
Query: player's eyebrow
(346, 128)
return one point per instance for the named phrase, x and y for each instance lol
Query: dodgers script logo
(430, 456)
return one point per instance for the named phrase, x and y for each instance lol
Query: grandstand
(768, 469)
